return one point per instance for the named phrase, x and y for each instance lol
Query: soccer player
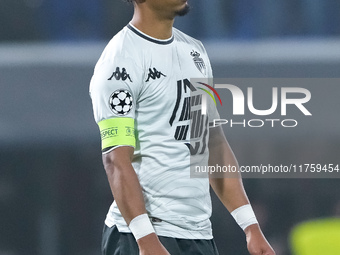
(153, 129)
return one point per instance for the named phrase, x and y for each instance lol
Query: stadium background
(53, 189)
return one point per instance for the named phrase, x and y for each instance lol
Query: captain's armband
(117, 132)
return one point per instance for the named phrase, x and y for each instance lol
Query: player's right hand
(150, 245)
(256, 242)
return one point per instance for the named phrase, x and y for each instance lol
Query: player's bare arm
(230, 190)
(128, 195)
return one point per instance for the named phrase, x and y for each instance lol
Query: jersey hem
(161, 231)
(164, 229)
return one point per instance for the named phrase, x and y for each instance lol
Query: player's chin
(184, 10)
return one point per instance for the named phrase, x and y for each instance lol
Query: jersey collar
(149, 38)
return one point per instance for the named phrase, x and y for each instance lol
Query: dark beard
(184, 11)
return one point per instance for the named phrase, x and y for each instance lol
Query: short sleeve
(114, 90)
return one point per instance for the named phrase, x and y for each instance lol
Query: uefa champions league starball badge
(121, 102)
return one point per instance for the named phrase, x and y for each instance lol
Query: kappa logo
(120, 75)
(154, 74)
(199, 63)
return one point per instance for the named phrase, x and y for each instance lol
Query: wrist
(147, 240)
(252, 229)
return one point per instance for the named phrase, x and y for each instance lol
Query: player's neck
(153, 25)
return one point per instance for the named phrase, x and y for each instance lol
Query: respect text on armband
(108, 133)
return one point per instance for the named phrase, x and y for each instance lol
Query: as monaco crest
(199, 63)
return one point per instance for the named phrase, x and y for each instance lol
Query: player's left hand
(256, 242)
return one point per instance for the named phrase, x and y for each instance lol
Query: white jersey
(148, 80)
